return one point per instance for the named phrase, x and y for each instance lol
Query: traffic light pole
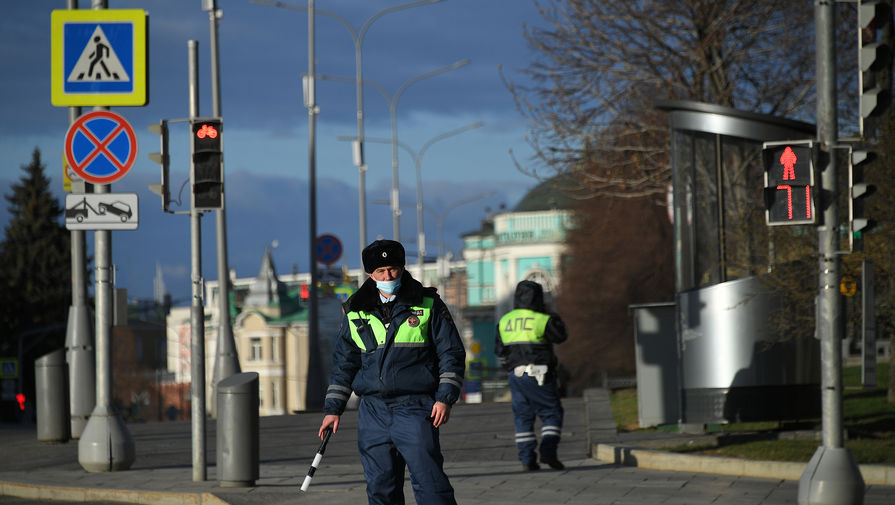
(226, 360)
(197, 311)
(832, 476)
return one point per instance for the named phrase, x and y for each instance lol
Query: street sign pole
(106, 444)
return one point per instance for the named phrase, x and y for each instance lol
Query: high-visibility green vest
(523, 326)
(413, 332)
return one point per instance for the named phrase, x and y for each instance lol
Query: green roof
(553, 193)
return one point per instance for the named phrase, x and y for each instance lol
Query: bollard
(237, 430)
(51, 381)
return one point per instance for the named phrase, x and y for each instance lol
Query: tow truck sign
(101, 211)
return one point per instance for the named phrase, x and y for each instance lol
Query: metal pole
(314, 395)
(361, 163)
(79, 334)
(868, 327)
(396, 205)
(831, 477)
(829, 306)
(103, 247)
(226, 359)
(197, 311)
(105, 445)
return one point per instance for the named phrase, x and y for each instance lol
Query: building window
(260, 394)
(276, 395)
(255, 354)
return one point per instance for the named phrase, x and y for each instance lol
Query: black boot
(553, 463)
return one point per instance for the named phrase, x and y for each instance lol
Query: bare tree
(602, 64)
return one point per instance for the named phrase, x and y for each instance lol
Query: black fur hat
(383, 253)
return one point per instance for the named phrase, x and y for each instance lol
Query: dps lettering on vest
(523, 326)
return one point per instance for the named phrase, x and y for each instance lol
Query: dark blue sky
(263, 55)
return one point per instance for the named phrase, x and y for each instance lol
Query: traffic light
(858, 191)
(873, 56)
(789, 182)
(207, 173)
(164, 159)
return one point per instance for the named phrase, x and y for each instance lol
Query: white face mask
(388, 287)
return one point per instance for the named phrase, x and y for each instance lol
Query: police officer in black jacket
(399, 350)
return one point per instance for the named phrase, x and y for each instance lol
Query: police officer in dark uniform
(524, 346)
(399, 350)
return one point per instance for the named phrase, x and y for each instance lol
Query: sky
(466, 171)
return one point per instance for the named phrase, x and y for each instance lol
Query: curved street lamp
(393, 108)
(358, 150)
(418, 161)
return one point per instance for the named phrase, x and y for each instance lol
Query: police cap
(383, 253)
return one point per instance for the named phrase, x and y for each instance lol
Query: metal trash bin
(237, 430)
(51, 381)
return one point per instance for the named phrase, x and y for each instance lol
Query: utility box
(658, 364)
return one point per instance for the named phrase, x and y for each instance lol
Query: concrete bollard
(237, 430)
(51, 381)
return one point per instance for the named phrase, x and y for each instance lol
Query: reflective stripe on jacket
(413, 332)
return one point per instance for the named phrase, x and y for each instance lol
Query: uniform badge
(413, 321)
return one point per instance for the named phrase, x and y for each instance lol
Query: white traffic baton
(317, 459)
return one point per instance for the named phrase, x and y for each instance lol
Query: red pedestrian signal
(21, 399)
(789, 183)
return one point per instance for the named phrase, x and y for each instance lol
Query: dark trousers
(393, 433)
(530, 400)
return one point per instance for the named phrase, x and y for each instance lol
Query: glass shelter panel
(744, 230)
(719, 209)
(707, 203)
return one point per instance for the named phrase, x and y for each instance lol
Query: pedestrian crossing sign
(98, 57)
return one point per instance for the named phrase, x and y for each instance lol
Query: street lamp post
(358, 148)
(417, 162)
(393, 108)
(226, 359)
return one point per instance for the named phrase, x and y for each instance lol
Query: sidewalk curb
(88, 495)
(662, 460)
